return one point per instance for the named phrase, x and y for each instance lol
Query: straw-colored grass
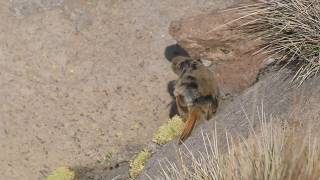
(273, 152)
(290, 30)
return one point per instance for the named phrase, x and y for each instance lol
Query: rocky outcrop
(275, 95)
(216, 37)
(213, 37)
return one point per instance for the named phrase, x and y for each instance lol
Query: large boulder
(216, 36)
(274, 95)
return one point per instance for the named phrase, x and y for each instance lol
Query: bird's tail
(193, 116)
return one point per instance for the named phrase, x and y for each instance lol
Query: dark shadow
(173, 51)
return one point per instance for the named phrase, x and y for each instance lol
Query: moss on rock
(169, 131)
(62, 173)
(137, 164)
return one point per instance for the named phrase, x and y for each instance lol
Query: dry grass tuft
(274, 152)
(290, 30)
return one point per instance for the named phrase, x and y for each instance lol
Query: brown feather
(193, 116)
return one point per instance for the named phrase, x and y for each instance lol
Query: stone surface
(273, 96)
(28, 7)
(236, 69)
(216, 36)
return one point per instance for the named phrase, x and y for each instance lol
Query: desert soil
(83, 82)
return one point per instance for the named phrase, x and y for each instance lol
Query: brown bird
(196, 92)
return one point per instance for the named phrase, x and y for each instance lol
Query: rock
(273, 95)
(214, 36)
(102, 172)
(28, 7)
(77, 11)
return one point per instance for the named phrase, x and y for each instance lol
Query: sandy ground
(80, 80)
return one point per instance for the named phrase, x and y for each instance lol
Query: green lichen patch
(62, 173)
(169, 131)
(137, 165)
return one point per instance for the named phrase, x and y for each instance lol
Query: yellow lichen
(62, 173)
(169, 131)
(137, 165)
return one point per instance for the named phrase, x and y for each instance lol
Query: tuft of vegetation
(62, 173)
(169, 131)
(274, 152)
(290, 32)
(138, 163)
